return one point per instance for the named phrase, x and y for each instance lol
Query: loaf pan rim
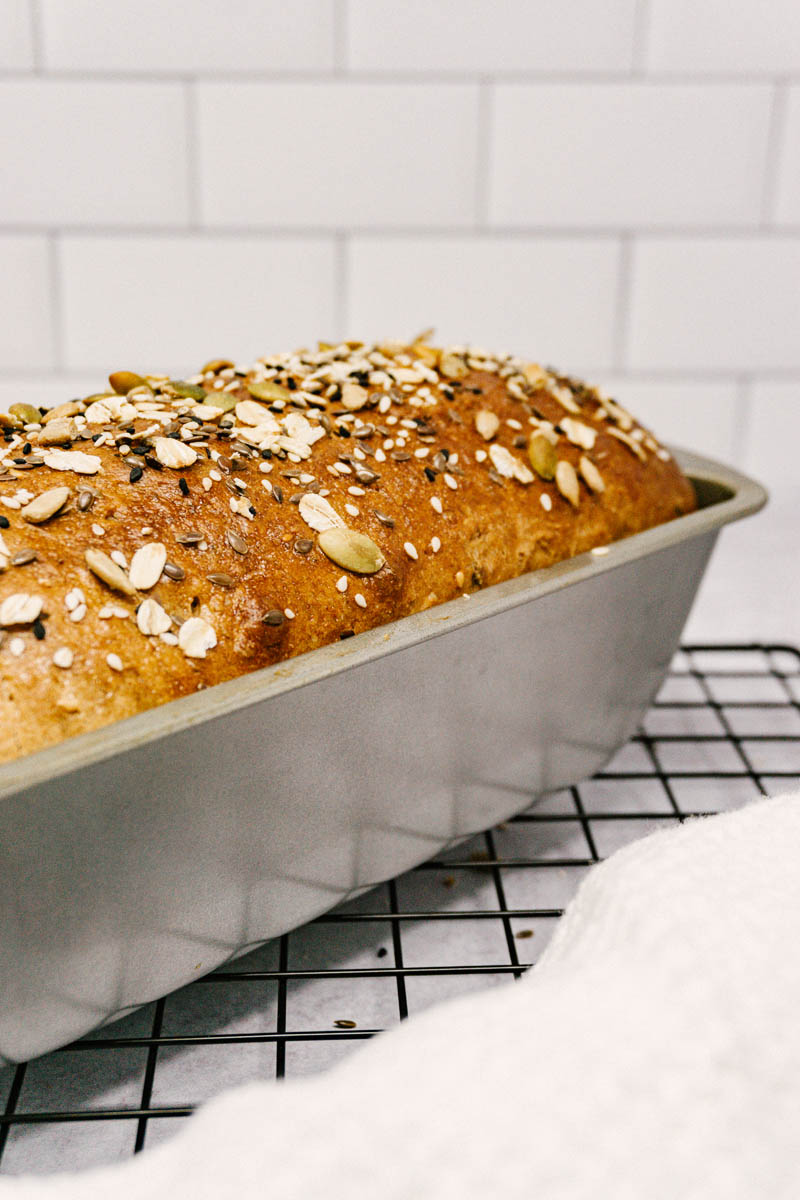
(87, 749)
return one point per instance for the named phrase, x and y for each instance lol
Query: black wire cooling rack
(724, 729)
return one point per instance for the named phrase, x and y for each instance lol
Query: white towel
(653, 1052)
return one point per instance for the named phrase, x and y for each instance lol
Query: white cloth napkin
(653, 1052)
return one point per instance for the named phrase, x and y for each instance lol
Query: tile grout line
(641, 37)
(341, 283)
(341, 24)
(37, 40)
(483, 153)
(192, 165)
(776, 141)
(622, 302)
(743, 413)
(57, 331)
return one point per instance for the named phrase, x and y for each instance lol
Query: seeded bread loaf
(165, 535)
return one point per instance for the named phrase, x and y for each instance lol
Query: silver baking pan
(138, 857)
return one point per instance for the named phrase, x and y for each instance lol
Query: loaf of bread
(165, 535)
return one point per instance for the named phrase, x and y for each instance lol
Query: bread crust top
(164, 535)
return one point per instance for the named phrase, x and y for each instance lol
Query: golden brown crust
(418, 436)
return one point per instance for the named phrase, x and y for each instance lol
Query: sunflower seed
(590, 474)
(22, 557)
(173, 571)
(221, 579)
(190, 538)
(542, 455)
(236, 542)
(125, 381)
(273, 617)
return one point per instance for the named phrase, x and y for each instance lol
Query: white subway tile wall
(613, 187)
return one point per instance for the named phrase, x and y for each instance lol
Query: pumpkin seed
(267, 390)
(542, 455)
(591, 476)
(124, 381)
(25, 413)
(106, 569)
(224, 401)
(46, 505)
(567, 482)
(189, 391)
(352, 550)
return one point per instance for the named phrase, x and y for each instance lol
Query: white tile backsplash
(175, 302)
(490, 35)
(787, 204)
(332, 155)
(693, 414)
(628, 154)
(774, 435)
(547, 298)
(715, 303)
(710, 36)
(613, 187)
(16, 36)
(168, 35)
(84, 152)
(26, 336)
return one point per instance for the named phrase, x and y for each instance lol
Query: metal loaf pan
(138, 857)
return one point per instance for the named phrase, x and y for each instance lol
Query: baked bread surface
(230, 499)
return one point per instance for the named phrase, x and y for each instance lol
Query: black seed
(348, 633)
(38, 631)
(266, 454)
(4, 522)
(343, 431)
(173, 571)
(382, 952)
(430, 474)
(26, 449)
(136, 473)
(183, 485)
(153, 462)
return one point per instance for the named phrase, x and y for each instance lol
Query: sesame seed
(16, 646)
(63, 658)
(450, 481)
(423, 452)
(341, 584)
(360, 601)
(98, 531)
(436, 504)
(436, 545)
(356, 491)
(351, 509)
(114, 661)
(78, 613)
(410, 550)
(289, 613)
(545, 502)
(599, 551)
(480, 456)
